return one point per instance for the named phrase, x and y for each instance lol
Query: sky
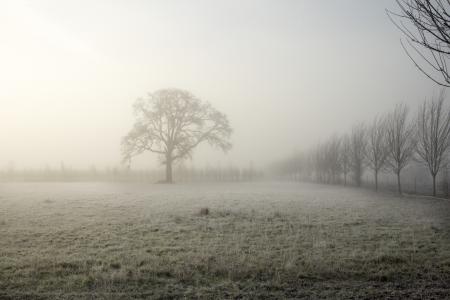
(287, 73)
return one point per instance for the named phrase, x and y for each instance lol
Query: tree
(345, 157)
(171, 123)
(400, 141)
(426, 26)
(358, 147)
(433, 134)
(377, 147)
(333, 147)
(320, 163)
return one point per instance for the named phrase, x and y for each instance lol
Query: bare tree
(400, 140)
(445, 176)
(345, 157)
(377, 150)
(333, 161)
(358, 147)
(292, 166)
(327, 162)
(319, 156)
(426, 26)
(171, 123)
(433, 134)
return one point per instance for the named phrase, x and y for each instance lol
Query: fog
(200, 149)
(287, 74)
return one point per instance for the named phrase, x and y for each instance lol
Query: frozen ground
(260, 240)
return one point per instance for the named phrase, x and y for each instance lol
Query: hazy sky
(287, 73)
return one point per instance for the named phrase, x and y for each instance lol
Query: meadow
(220, 241)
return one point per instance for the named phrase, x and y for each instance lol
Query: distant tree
(326, 160)
(319, 156)
(358, 148)
(433, 135)
(171, 123)
(308, 166)
(292, 166)
(445, 187)
(377, 150)
(426, 25)
(345, 157)
(400, 140)
(333, 152)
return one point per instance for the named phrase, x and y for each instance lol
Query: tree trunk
(169, 170)
(376, 180)
(358, 178)
(399, 185)
(434, 185)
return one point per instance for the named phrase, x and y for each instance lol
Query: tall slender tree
(377, 150)
(433, 124)
(400, 140)
(345, 157)
(358, 148)
(333, 157)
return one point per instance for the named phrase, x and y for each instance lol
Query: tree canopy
(171, 123)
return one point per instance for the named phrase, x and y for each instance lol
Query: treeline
(228, 174)
(398, 144)
(120, 174)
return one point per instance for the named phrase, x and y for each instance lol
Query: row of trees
(181, 174)
(389, 143)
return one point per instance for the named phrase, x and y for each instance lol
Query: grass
(257, 240)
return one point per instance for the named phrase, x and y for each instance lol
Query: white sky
(287, 73)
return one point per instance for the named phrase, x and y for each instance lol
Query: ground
(257, 240)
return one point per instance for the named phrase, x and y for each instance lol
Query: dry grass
(260, 240)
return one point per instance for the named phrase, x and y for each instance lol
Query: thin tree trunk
(169, 170)
(399, 185)
(415, 185)
(358, 179)
(376, 180)
(434, 185)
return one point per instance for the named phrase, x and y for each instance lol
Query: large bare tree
(377, 150)
(400, 140)
(171, 123)
(433, 124)
(358, 147)
(426, 26)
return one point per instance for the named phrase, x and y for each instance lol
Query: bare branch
(426, 26)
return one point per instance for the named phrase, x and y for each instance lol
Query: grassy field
(259, 240)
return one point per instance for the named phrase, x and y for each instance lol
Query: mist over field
(287, 74)
(224, 149)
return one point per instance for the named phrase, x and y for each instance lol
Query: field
(259, 240)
